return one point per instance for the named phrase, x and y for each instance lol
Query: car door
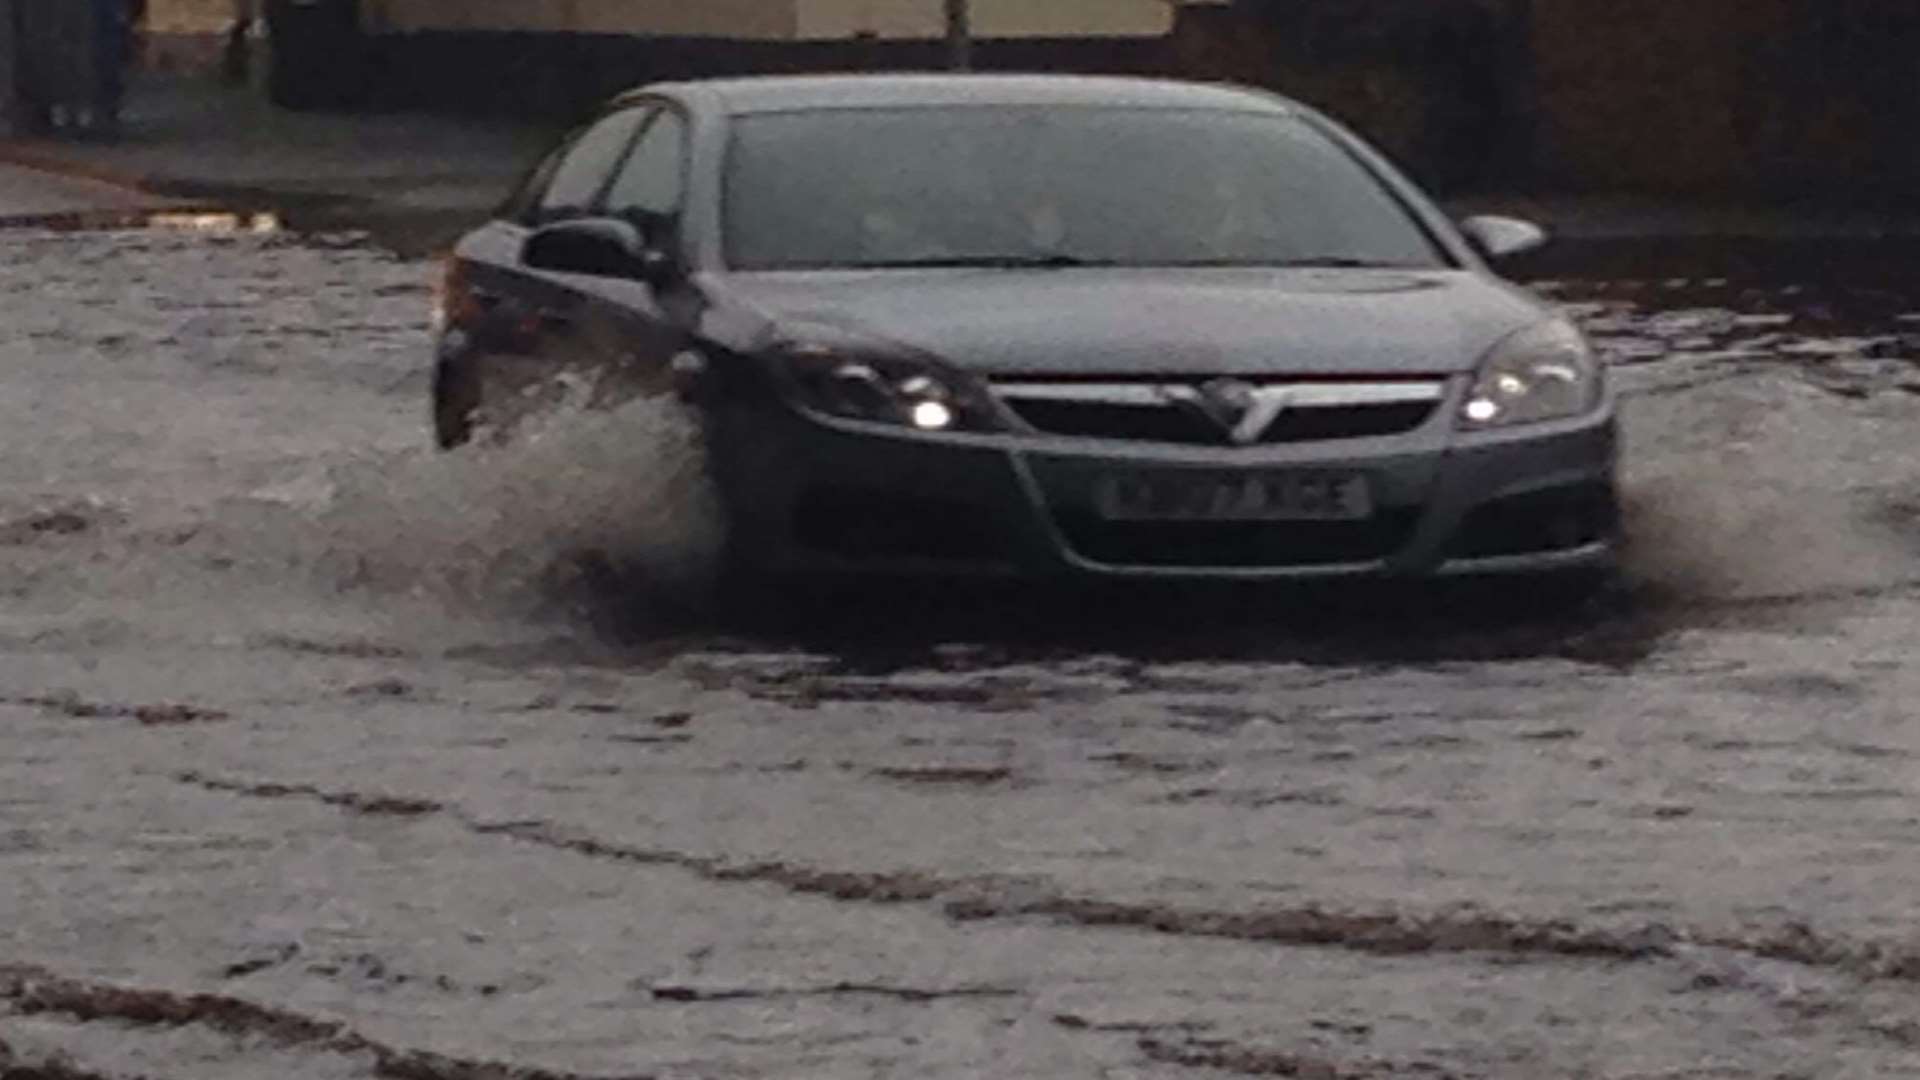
(630, 330)
(537, 330)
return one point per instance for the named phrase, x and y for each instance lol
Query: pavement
(192, 137)
(31, 193)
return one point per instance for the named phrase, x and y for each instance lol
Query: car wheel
(459, 390)
(739, 585)
(744, 591)
(1569, 592)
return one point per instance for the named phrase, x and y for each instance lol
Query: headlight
(886, 389)
(1545, 372)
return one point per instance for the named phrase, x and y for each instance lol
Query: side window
(520, 205)
(648, 188)
(589, 161)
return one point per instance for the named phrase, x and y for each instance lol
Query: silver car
(1048, 325)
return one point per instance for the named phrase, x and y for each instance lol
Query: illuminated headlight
(1545, 372)
(932, 416)
(889, 389)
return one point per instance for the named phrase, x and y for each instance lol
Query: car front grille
(1236, 544)
(1185, 413)
(859, 524)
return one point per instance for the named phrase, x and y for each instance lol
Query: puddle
(210, 220)
(1680, 264)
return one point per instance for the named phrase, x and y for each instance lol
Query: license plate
(1238, 496)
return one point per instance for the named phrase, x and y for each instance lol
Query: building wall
(1633, 93)
(745, 19)
(828, 19)
(189, 16)
(775, 19)
(1703, 96)
(1424, 80)
(1778, 96)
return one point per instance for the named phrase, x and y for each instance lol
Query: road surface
(325, 756)
(28, 193)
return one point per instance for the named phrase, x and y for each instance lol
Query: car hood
(1084, 322)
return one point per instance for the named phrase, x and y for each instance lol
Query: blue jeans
(112, 50)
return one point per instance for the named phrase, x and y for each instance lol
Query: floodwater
(329, 756)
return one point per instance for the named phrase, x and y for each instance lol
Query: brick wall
(173, 17)
(1750, 97)
(1422, 79)
(1777, 96)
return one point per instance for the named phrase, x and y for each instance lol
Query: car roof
(806, 93)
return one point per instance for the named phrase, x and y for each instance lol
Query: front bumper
(810, 494)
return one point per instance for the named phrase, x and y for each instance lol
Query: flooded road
(329, 756)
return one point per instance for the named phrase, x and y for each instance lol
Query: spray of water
(1768, 486)
(581, 510)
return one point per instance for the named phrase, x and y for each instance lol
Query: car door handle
(486, 299)
(555, 319)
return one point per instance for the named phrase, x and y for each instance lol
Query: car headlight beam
(1545, 372)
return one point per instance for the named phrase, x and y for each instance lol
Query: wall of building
(1426, 80)
(1638, 91)
(1708, 97)
(568, 75)
(1772, 96)
(828, 19)
(749, 19)
(1714, 97)
(189, 16)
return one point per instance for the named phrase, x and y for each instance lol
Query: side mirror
(598, 247)
(1497, 237)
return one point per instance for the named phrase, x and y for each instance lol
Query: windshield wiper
(1341, 262)
(1063, 261)
(1306, 262)
(1046, 261)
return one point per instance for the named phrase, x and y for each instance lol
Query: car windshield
(1054, 187)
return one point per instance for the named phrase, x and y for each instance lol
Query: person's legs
(113, 40)
(9, 71)
(236, 59)
(32, 111)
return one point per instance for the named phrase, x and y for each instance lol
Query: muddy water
(329, 756)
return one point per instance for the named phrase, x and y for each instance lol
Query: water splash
(514, 526)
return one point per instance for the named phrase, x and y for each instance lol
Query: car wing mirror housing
(1496, 237)
(598, 247)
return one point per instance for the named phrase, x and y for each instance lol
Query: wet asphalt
(324, 755)
(27, 194)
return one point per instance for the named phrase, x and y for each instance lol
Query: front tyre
(1572, 592)
(458, 393)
